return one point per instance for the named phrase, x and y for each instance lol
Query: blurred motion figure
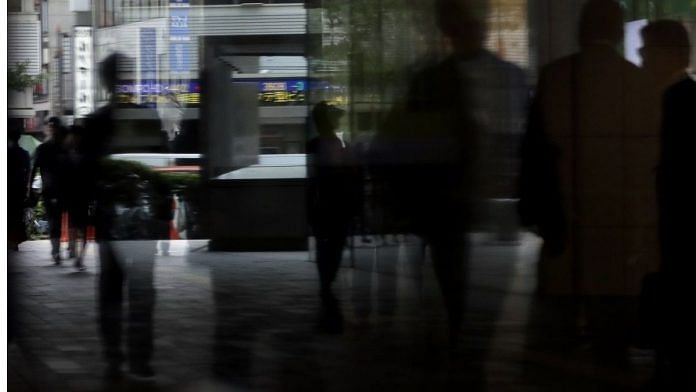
(667, 50)
(585, 184)
(126, 229)
(434, 160)
(170, 113)
(49, 162)
(18, 166)
(77, 195)
(334, 195)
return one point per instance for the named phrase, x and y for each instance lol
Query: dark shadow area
(581, 173)
(667, 49)
(589, 186)
(233, 340)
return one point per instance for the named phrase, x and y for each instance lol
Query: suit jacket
(677, 208)
(589, 108)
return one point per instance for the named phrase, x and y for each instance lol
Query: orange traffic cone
(173, 233)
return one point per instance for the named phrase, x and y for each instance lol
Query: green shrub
(38, 213)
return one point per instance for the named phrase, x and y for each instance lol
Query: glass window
(44, 16)
(109, 13)
(99, 11)
(14, 6)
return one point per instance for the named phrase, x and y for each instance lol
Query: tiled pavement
(246, 321)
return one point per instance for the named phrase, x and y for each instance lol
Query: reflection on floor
(247, 321)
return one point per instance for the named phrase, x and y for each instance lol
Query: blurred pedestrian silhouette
(659, 68)
(586, 174)
(77, 196)
(333, 197)
(171, 114)
(48, 161)
(666, 51)
(128, 223)
(18, 168)
(427, 160)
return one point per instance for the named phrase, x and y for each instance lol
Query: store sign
(274, 92)
(83, 69)
(152, 92)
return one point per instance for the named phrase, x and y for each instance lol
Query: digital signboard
(271, 92)
(282, 92)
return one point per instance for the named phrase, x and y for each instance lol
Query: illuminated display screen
(271, 92)
(282, 92)
(149, 93)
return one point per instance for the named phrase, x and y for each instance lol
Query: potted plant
(20, 85)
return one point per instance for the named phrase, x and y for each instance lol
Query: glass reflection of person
(333, 197)
(126, 255)
(170, 113)
(429, 157)
(600, 223)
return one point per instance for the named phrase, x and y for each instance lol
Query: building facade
(24, 59)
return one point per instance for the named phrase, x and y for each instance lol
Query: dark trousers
(54, 213)
(450, 262)
(330, 234)
(329, 255)
(130, 264)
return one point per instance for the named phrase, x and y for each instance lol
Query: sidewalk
(256, 313)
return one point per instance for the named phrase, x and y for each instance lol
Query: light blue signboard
(179, 36)
(148, 53)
